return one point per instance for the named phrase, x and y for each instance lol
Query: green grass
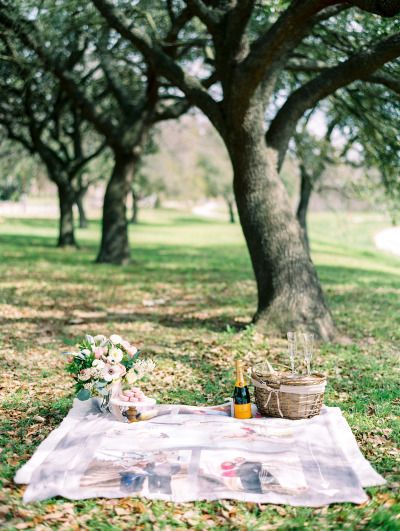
(201, 273)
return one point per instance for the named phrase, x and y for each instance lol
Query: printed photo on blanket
(144, 473)
(257, 473)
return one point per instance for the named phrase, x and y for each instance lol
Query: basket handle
(271, 391)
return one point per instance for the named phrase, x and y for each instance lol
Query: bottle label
(242, 411)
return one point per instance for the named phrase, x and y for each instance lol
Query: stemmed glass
(292, 347)
(308, 342)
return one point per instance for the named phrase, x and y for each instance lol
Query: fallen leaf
(5, 510)
(121, 511)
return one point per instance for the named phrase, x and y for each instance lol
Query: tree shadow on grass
(214, 271)
(329, 249)
(354, 276)
(25, 242)
(161, 263)
(177, 321)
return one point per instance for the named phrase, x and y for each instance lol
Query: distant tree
(313, 156)
(369, 138)
(141, 185)
(17, 170)
(218, 182)
(109, 85)
(172, 171)
(373, 132)
(35, 113)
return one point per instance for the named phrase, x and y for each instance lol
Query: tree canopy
(255, 69)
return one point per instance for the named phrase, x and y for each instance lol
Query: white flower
(150, 365)
(99, 364)
(100, 339)
(96, 372)
(139, 369)
(116, 339)
(115, 355)
(89, 339)
(89, 386)
(85, 352)
(112, 372)
(84, 375)
(131, 376)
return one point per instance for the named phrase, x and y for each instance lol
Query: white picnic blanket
(189, 454)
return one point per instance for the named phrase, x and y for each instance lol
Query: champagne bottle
(241, 395)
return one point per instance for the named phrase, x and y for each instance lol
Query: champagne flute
(292, 347)
(308, 340)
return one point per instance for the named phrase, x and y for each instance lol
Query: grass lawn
(189, 287)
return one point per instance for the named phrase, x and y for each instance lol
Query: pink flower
(99, 352)
(129, 349)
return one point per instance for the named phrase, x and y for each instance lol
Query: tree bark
(83, 221)
(306, 188)
(135, 208)
(114, 248)
(66, 199)
(289, 292)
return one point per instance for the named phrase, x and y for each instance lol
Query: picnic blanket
(188, 453)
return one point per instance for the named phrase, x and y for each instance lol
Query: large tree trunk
(289, 292)
(306, 188)
(83, 221)
(114, 248)
(66, 199)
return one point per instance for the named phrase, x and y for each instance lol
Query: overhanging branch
(358, 66)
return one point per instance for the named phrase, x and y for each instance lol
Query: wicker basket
(280, 394)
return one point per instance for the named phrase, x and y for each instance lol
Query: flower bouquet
(103, 367)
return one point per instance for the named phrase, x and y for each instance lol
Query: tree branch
(27, 33)
(174, 111)
(390, 82)
(114, 85)
(299, 65)
(209, 16)
(275, 43)
(384, 8)
(357, 67)
(79, 163)
(177, 23)
(269, 52)
(12, 135)
(163, 64)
